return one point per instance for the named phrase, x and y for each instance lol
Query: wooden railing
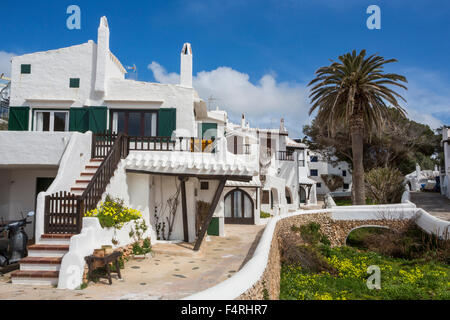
(285, 156)
(170, 144)
(64, 211)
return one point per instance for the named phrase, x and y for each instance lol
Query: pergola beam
(212, 208)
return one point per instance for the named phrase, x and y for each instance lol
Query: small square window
(25, 69)
(318, 185)
(344, 173)
(346, 186)
(204, 185)
(314, 172)
(314, 159)
(74, 83)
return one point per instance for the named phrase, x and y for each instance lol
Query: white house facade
(320, 168)
(79, 130)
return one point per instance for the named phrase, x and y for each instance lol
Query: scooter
(13, 247)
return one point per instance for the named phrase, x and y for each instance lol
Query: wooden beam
(184, 208)
(208, 219)
(193, 175)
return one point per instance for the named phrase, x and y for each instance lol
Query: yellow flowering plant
(112, 213)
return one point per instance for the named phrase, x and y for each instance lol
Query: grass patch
(264, 215)
(400, 278)
(348, 201)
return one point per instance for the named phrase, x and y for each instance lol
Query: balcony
(285, 156)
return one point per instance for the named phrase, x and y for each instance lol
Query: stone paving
(433, 203)
(168, 275)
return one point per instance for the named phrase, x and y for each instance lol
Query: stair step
(49, 247)
(82, 181)
(57, 236)
(97, 160)
(77, 189)
(92, 167)
(41, 260)
(36, 278)
(86, 174)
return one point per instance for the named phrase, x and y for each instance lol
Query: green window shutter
(213, 229)
(97, 119)
(18, 118)
(79, 119)
(74, 83)
(167, 121)
(25, 68)
(209, 130)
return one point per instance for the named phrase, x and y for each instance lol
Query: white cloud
(263, 103)
(5, 62)
(268, 100)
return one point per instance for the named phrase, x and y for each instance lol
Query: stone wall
(336, 230)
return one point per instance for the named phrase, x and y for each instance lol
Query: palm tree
(354, 92)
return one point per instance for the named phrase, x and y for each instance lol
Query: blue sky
(253, 56)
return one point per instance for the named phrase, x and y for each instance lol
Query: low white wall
(92, 237)
(253, 270)
(76, 156)
(32, 147)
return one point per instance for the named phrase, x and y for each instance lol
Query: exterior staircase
(42, 265)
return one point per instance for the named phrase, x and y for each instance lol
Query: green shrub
(264, 215)
(384, 185)
(112, 213)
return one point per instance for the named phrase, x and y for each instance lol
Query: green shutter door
(97, 119)
(211, 128)
(79, 119)
(167, 122)
(18, 118)
(213, 229)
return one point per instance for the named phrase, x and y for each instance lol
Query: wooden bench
(106, 260)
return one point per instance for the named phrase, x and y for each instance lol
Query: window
(301, 159)
(314, 173)
(346, 186)
(51, 120)
(288, 196)
(314, 159)
(344, 173)
(204, 185)
(265, 197)
(74, 83)
(135, 123)
(318, 185)
(25, 68)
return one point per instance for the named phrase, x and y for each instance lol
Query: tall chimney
(186, 66)
(243, 121)
(102, 55)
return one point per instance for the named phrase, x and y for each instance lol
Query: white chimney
(282, 125)
(186, 66)
(243, 121)
(102, 55)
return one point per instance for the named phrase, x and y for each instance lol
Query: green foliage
(311, 233)
(112, 213)
(140, 246)
(384, 185)
(264, 215)
(401, 279)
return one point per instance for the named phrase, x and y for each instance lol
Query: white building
(320, 168)
(445, 171)
(78, 130)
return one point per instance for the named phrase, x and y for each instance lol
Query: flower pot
(108, 249)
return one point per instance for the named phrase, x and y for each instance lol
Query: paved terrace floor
(434, 203)
(173, 273)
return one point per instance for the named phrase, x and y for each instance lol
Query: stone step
(58, 239)
(97, 160)
(87, 174)
(40, 264)
(47, 250)
(35, 277)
